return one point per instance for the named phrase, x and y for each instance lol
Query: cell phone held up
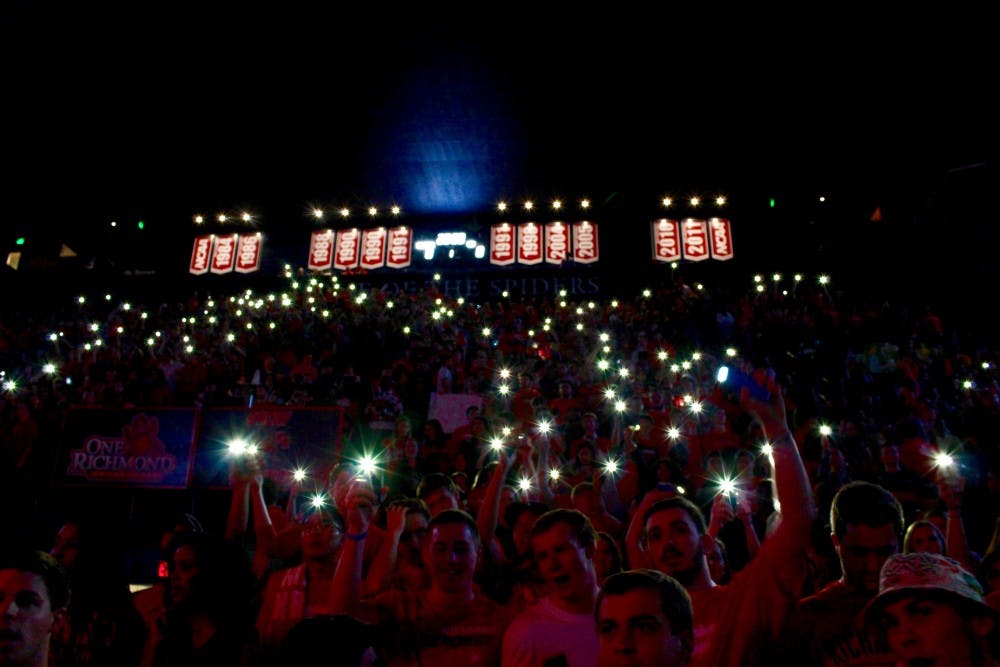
(735, 379)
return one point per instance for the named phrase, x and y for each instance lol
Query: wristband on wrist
(357, 538)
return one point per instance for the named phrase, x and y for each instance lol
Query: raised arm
(345, 591)
(791, 482)
(489, 512)
(950, 490)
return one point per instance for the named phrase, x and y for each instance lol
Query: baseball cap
(904, 574)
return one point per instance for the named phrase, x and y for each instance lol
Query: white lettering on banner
(248, 258)
(347, 249)
(224, 255)
(695, 241)
(373, 251)
(722, 247)
(199, 258)
(399, 247)
(556, 245)
(502, 244)
(320, 254)
(585, 242)
(666, 245)
(531, 244)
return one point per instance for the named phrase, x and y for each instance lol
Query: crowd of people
(688, 475)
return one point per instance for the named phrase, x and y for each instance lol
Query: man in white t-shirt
(558, 631)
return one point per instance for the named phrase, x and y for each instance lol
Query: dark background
(156, 112)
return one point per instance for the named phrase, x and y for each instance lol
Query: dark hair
(725, 560)
(678, 502)
(455, 517)
(54, 576)
(674, 600)
(578, 522)
(313, 636)
(413, 506)
(434, 481)
(436, 425)
(924, 523)
(616, 552)
(519, 507)
(579, 488)
(330, 511)
(861, 502)
(225, 586)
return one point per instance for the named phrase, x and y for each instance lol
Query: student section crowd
(601, 444)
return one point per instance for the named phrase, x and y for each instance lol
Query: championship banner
(502, 244)
(248, 253)
(556, 243)
(348, 249)
(201, 254)
(321, 250)
(695, 239)
(400, 240)
(666, 240)
(721, 237)
(373, 248)
(529, 243)
(289, 438)
(224, 255)
(585, 247)
(127, 448)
